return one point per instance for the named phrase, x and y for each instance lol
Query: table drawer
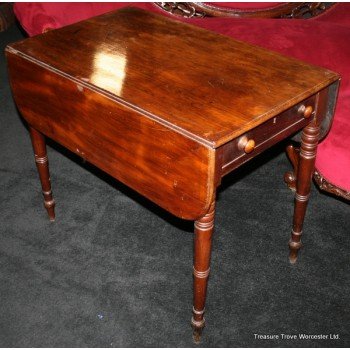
(265, 135)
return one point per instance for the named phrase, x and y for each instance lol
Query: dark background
(115, 270)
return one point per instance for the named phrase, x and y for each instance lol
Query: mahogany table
(169, 109)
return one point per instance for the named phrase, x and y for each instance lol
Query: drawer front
(265, 135)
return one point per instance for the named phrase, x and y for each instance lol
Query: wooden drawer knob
(306, 111)
(246, 145)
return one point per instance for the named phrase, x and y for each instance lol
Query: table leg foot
(306, 166)
(197, 333)
(204, 228)
(42, 164)
(292, 260)
(293, 251)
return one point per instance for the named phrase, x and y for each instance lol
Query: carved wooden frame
(326, 186)
(284, 10)
(293, 154)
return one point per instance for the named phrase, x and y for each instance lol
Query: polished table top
(205, 86)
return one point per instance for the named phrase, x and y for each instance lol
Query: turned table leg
(39, 146)
(204, 228)
(307, 155)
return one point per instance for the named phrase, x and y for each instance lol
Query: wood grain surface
(171, 170)
(210, 93)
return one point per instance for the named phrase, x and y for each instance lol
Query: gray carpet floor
(115, 270)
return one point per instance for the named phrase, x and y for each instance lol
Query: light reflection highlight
(109, 71)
